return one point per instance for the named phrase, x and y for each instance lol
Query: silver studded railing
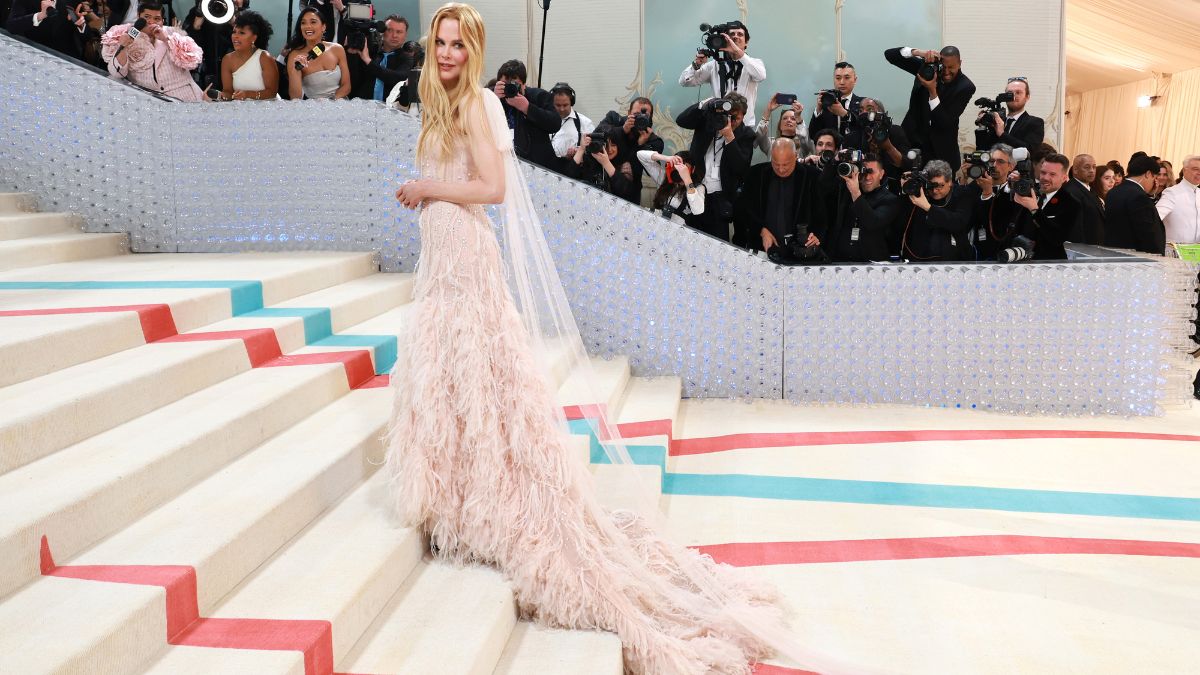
(1070, 338)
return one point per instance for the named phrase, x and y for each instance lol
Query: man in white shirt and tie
(574, 125)
(1179, 206)
(842, 110)
(1018, 128)
(735, 71)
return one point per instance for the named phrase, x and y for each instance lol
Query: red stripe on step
(157, 321)
(768, 669)
(262, 345)
(699, 446)
(377, 382)
(313, 638)
(857, 550)
(648, 428)
(589, 410)
(359, 369)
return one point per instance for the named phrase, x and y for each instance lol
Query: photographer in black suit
(937, 225)
(872, 131)
(1130, 218)
(1018, 128)
(836, 112)
(61, 25)
(939, 96)
(1050, 216)
(726, 146)
(531, 115)
(864, 228)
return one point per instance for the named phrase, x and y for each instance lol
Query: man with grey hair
(1179, 206)
(1089, 226)
(993, 222)
(778, 204)
(938, 223)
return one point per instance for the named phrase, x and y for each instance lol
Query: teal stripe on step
(646, 455)
(244, 296)
(938, 496)
(318, 321)
(384, 347)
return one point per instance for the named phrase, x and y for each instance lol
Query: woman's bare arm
(486, 188)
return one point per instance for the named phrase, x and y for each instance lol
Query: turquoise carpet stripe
(384, 347)
(318, 321)
(939, 496)
(244, 296)
(646, 455)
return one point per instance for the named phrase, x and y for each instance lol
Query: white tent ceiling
(1112, 42)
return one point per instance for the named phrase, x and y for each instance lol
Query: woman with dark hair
(610, 169)
(1118, 172)
(248, 72)
(1105, 179)
(791, 125)
(324, 72)
(680, 195)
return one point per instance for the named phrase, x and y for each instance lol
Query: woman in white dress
(249, 73)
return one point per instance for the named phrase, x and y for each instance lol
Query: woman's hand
(772, 104)
(685, 174)
(411, 194)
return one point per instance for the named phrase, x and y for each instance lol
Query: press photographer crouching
(378, 65)
(864, 228)
(726, 146)
(531, 115)
(680, 197)
(1015, 128)
(602, 161)
(937, 224)
(722, 62)
(778, 210)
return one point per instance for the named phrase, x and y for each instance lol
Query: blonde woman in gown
(478, 457)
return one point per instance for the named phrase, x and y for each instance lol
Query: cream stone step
(48, 413)
(442, 620)
(603, 381)
(85, 492)
(218, 661)
(224, 528)
(48, 249)
(21, 225)
(651, 399)
(534, 649)
(343, 569)
(16, 202)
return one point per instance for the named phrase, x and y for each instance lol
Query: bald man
(1089, 225)
(778, 200)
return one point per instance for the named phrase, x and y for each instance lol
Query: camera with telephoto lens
(716, 113)
(978, 163)
(991, 106)
(1022, 249)
(931, 70)
(916, 182)
(849, 162)
(641, 121)
(713, 39)
(792, 251)
(360, 25)
(877, 125)
(828, 97)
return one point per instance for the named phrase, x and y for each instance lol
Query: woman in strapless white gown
(248, 73)
(327, 75)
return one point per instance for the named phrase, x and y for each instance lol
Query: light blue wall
(797, 41)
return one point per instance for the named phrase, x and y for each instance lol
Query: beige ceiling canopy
(1111, 42)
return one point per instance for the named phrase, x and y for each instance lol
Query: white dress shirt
(1179, 208)
(568, 136)
(753, 72)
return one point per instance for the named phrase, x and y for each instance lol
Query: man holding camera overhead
(1018, 128)
(531, 115)
(939, 96)
(726, 144)
(726, 65)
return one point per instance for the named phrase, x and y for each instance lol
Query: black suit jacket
(1131, 221)
(1089, 225)
(1027, 132)
(749, 213)
(363, 75)
(935, 131)
(532, 129)
(875, 214)
(940, 233)
(56, 32)
(1052, 225)
(735, 156)
(827, 120)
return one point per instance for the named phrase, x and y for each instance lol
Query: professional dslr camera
(931, 70)
(1022, 249)
(792, 251)
(716, 113)
(877, 125)
(361, 28)
(989, 107)
(915, 183)
(828, 97)
(978, 163)
(1026, 183)
(597, 140)
(849, 161)
(713, 39)
(641, 121)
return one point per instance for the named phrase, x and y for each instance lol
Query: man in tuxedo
(1130, 218)
(726, 144)
(1089, 228)
(60, 25)
(1051, 216)
(1018, 128)
(778, 199)
(935, 104)
(531, 115)
(843, 109)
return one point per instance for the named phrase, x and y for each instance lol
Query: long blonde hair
(442, 111)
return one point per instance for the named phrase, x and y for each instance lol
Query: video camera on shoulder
(716, 113)
(713, 40)
(361, 27)
(990, 106)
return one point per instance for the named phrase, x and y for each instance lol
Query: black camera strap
(729, 71)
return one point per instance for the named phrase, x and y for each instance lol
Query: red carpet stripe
(157, 320)
(857, 550)
(700, 446)
(768, 669)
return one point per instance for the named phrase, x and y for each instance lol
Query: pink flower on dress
(182, 49)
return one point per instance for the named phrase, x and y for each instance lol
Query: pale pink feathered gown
(479, 462)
